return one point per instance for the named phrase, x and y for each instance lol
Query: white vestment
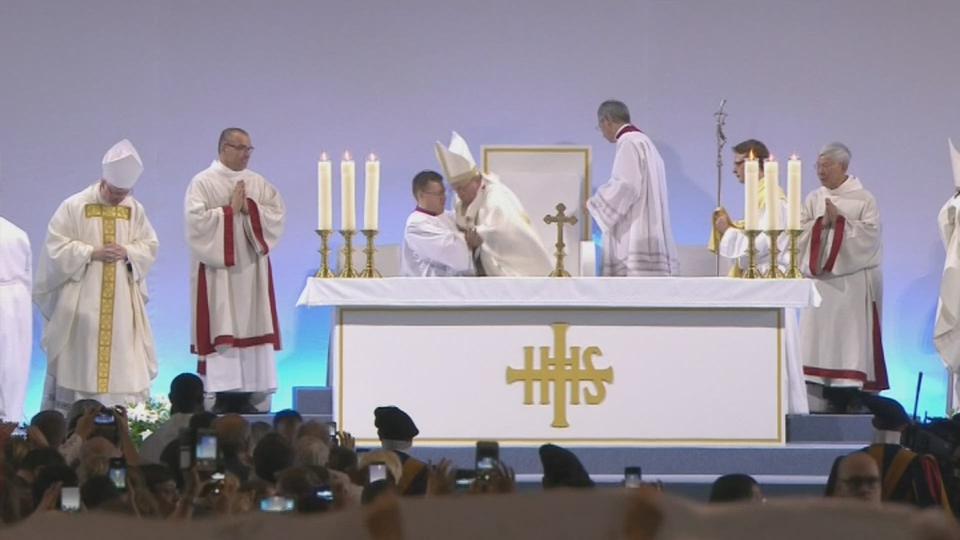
(631, 210)
(433, 246)
(511, 247)
(840, 340)
(98, 339)
(16, 321)
(235, 329)
(946, 332)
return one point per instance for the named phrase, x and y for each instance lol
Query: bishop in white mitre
(16, 321)
(91, 287)
(492, 217)
(433, 246)
(631, 208)
(841, 340)
(946, 332)
(234, 219)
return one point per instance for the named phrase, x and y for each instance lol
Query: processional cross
(560, 219)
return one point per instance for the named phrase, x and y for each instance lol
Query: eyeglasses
(240, 148)
(436, 193)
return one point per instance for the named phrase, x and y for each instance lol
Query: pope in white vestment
(841, 245)
(485, 206)
(432, 244)
(16, 322)
(946, 332)
(631, 208)
(91, 288)
(234, 219)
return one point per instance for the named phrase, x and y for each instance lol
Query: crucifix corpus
(560, 219)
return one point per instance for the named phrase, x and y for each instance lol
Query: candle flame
(346, 156)
(794, 156)
(324, 156)
(751, 157)
(771, 158)
(372, 157)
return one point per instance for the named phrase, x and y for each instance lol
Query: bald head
(858, 477)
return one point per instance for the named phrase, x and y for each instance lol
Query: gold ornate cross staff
(560, 219)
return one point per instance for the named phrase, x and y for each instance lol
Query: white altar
(581, 361)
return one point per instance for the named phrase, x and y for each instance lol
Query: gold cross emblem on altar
(566, 370)
(560, 219)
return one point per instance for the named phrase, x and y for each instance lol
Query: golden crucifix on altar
(560, 219)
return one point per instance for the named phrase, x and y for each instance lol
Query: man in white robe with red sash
(234, 219)
(946, 331)
(91, 288)
(840, 340)
(631, 208)
(492, 217)
(16, 319)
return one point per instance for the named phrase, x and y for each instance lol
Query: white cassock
(98, 339)
(235, 329)
(631, 210)
(511, 247)
(840, 340)
(946, 331)
(16, 322)
(733, 245)
(433, 246)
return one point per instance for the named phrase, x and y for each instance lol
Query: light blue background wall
(392, 77)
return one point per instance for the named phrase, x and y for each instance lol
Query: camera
(205, 451)
(70, 499)
(277, 504)
(487, 457)
(118, 473)
(378, 472)
(632, 477)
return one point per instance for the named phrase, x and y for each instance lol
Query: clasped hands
(472, 237)
(109, 253)
(238, 199)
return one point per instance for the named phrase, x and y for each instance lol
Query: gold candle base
(347, 271)
(324, 271)
(752, 272)
(369, 271)
(774, 272)
(794, 271)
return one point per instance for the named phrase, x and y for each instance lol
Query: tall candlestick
(751, 210)
(771, 176)
(371, 194)
(324, 194)
(794, 193)
(348, 193)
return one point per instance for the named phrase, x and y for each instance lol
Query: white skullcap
(122, 165)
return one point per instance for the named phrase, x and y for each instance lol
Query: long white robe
(841, 340)
(235, 328)
(632, 211)
(98, 339)
(946, 331)
(511, 247)
(433, 246)
(16, 323)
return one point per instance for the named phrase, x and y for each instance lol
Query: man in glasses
(91, 288)
(234, 218)
(432, 244)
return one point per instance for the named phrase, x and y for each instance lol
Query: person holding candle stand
(841, 248)
(762, 192)
(234, 219)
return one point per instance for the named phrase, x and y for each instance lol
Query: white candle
(751, 208)
(371, 194)
(324, 193)
(348, 193)
(771, 176)
(794, 193)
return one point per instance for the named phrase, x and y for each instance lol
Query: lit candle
(751, 209)
(348, 193)
(794, 193)
(371, 193)
(771, 177)
(324, 193)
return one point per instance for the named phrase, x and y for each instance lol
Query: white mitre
(457, 161)
(955, 159)
(122, 165)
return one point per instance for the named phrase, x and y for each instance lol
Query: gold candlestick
(752, 271)
(324, 271)
(774, 272)
(347, 271)
(369, 271)
(794, 271)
